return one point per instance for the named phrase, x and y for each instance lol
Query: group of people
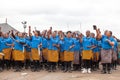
(53, 50)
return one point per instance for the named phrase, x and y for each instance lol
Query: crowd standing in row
(53, 50)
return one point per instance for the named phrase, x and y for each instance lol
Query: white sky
(62, 13)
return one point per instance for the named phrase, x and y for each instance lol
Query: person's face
(108, 34)
(53, 34)
(25, 35)
(92, 35)
(60, 32)
(74, 35)
(69, 35)
(105, 33)
(36, 33)
(20, 34)
(6, 35)
(87, 33)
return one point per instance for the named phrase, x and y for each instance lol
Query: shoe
(53, 70)
(17, 70)
(103, 72)
(109, 72)
(84, 71)
(115, 68)
(89, 70)
(49, 70)
(70, 71)
(1, 69)
(65, 70)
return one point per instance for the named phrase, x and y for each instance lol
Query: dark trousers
(27, 63)
(76, 67)
(95, 65)
(67, 66)
(7, 64)
(106, 67)
(1, 64)
(18, 65)
(52, 66)
(86, 64)
(114, 64)
(36, 65)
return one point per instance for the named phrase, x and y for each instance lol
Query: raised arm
(118, 40)
(98, 33)
(29, 33)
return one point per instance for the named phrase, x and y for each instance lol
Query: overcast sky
(62, 14)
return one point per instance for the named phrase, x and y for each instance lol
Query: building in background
(5, 27)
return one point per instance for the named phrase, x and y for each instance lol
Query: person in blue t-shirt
(18, 53)
(27, 53)
(44, 46)
(95, 50)
(87, 55)
(68, 51)
(7, 44)
(44, 50)
(115, 54)
(76, 62)
(52, 56)
(106, 52)
(36, 44)
(61, 50)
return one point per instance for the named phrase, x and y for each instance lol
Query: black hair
(110, 32)
(69, 32)
(38, 32)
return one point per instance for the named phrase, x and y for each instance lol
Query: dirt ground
(58, 75)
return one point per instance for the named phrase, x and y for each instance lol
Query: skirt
(44, 53)
(114, 56)
(96, 56)
(68, 56)
(62, 56)
(52, 56)
(1, 56)
(87, 55)
(106, 56)
(35, 55)
(76, 57)
(7, 53)
(27, 55)
(18, 55)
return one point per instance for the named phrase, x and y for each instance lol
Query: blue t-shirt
(57, 36)
(44, 43)
(28, 47)
(36, 41)
(51, 42)
(1, 47)
(77, 44)
(69, 42)
(115, 45)
(62, 44)
(18, 45)
(96, 43)
(87, 43)
(6, 41)
(105, 43)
